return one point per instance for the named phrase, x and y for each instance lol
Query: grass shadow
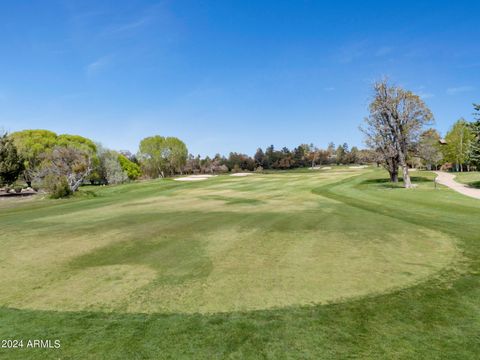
(474, 184)
(233, 200)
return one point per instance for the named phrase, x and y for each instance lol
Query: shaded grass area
(438, 318)
(469, 178)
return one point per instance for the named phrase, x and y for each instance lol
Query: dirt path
(447, 179)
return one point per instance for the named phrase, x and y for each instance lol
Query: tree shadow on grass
(386, 183)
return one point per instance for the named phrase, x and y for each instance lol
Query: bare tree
(396, 119)
(379, 140)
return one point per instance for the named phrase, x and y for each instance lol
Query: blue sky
(229, 75)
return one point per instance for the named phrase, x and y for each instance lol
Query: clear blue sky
(229, 75)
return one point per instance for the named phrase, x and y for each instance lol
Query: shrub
(36, 186)
(57, 186)
(221, 169)
(18, 189)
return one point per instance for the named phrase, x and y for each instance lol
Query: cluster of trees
(60, 163)
(395, 131)
(458, 151)
(462, 144)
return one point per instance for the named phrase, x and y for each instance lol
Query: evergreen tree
(260, 158)
(340, 155)
(11, 164)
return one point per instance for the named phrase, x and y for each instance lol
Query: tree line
(304, 155)
(60, 164)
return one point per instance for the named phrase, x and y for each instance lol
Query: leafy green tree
(153, 154)
(160, 155)
(31, 145)
(177, 154)
(11, 164)
(35, 145)
(78, 142)
(459, 141)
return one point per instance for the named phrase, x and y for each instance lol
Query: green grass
(469, 178)
(316, 264)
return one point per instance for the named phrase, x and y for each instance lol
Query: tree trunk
(74, 187)
(394, 176)
(406, 177)
(27, 178)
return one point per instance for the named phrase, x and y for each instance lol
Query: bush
(35, 187)
(18, 189)
(132, 169)
(57, 186)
